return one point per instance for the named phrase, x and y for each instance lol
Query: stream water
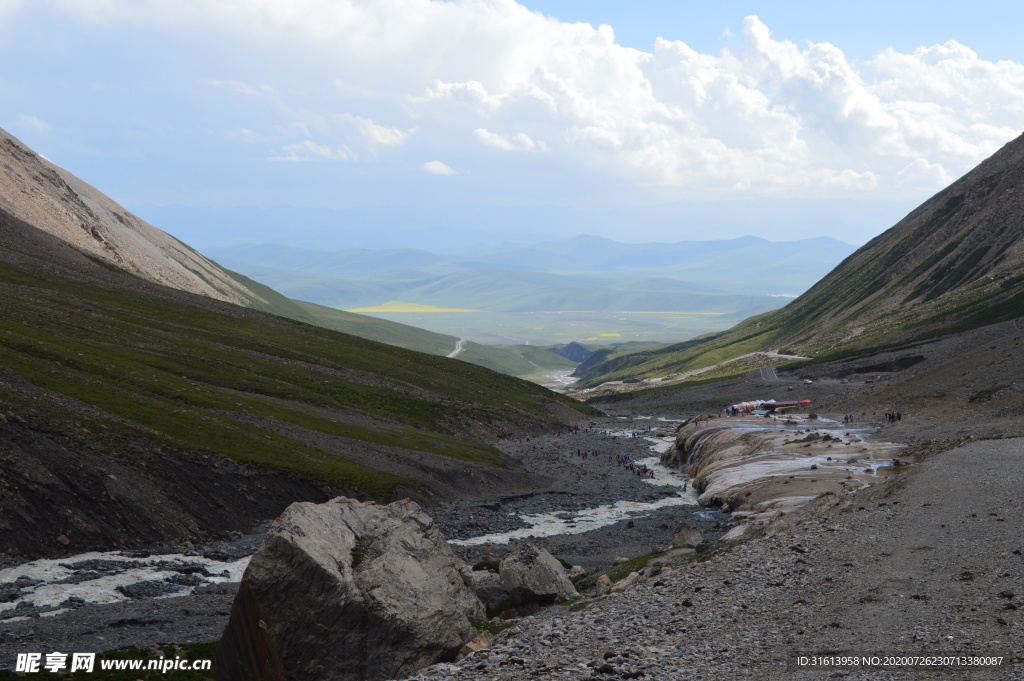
(108, 577)
(47, 585)
(578, 522)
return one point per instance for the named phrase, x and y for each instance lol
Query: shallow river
(578, 522)
(102, 577)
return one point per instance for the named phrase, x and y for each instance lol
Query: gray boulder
(530, 573)
(487, 587)
(348, 590)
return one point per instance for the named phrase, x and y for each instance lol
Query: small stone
(479, 643)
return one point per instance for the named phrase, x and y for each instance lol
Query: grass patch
(357, 554)
(987, 394)
(490, 626)
(616, 572)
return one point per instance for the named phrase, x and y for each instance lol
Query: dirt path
(459, 346)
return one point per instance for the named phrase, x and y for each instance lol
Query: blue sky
(398, 121)
(860, 29)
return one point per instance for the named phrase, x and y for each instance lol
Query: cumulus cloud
(439, 168)
(921, 173)
(764, 115)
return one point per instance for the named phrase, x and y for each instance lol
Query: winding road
(458, 348)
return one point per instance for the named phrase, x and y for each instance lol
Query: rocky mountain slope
(58, 203)
(955, 263)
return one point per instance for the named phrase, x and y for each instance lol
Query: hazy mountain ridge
(953, 264)
(581, 255)
(583, 273)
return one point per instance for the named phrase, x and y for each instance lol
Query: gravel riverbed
(927, 566)
(201, 615)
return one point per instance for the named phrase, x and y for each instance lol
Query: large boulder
(529, 573)
(348, 590)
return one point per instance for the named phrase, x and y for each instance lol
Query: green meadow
(564, 326)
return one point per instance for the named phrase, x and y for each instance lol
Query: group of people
(847, 418)
(637, 469)
(893, 416)
(622, 461)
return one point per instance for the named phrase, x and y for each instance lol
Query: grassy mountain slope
(98, 365)
(380, 330)
(955, 263)
(525, 361)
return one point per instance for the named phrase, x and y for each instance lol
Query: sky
(417, 122)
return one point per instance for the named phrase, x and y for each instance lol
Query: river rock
(626, 582)
(476, 645)
(687, 536)
(735, 533)
(531, 568)
(347, 590)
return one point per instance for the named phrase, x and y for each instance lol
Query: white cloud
(439, 168)
(311, 151)
(764, 115)
(520, 141)
(375, 134)
(921, 173)
(34, 122)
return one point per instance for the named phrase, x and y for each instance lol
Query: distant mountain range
(458, 227)
(583, 273)
(953, 264)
